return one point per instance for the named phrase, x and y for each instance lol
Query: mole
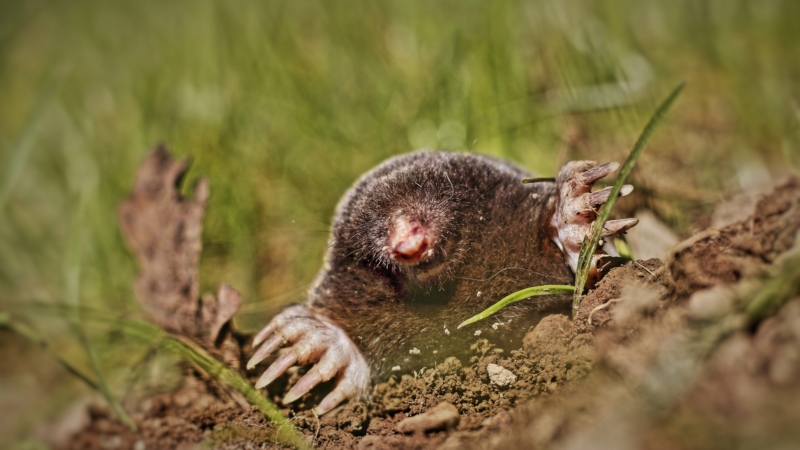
(419, 244)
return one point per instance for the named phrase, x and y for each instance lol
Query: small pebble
(500, 376)
(442, 416)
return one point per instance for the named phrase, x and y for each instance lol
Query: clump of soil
(699, 350)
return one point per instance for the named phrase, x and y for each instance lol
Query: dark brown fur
(493, 237)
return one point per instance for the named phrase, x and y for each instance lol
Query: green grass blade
(35, 338)
(188, 351)
(226, 376)
(22, 149)
(217, 370)
(623, 248)
(552, 289)
(72, 272)
(590, 245)
(538, 180)
(789, 151)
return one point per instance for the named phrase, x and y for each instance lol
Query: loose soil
(663, 354)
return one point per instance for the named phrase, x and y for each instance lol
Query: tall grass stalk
(590, 243)
(22, 150)
(30, 334)
(72, 273)
(147, 333)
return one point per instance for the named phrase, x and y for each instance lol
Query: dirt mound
(698, 351)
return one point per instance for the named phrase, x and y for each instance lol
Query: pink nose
(409, 241)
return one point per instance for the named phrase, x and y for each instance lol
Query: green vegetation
(282, 104)
(536, 291)
(590, 243)
(147, 333)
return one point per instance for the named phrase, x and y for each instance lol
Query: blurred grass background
(283, 104)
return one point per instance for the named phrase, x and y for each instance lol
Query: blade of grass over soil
(623, 248)
(217, 370)
(553, 289)
(590, 245)
(72, 271)
(34, 337)
(147, 333)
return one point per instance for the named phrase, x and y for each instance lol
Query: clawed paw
(305, 337)
(577, 209)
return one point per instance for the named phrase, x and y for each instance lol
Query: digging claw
(311, 339)
(265, 350)
(263, 334)
(594, 173)
(276, 369)
(305, 384)
(330, 401)
(577, 210)
(612, 227)
(596, 199)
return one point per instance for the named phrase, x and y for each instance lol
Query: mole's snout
(410, 241)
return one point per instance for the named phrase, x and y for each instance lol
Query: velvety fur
(492, 237)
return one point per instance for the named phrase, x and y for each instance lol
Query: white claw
(264, 333)
(613, 227)
(312, 339)
(305, 384)
(265, 350)
(277, 369)
(577, 206)
(331, 401)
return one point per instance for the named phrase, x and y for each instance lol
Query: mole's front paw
(312, 339)
(577, 210)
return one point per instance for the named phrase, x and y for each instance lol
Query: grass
(283, 104)
(21, 150)
(188, 351)
(148, 334)
(35, 338)
(72, 271)
(516, 297)
(590, 242)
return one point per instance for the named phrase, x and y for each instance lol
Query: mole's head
(410, 221)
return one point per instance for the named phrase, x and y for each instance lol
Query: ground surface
(283, 104)
(673, 353)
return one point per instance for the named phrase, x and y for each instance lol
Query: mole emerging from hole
(421, 243)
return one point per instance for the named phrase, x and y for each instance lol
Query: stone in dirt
(442, 416)
(500, 376)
